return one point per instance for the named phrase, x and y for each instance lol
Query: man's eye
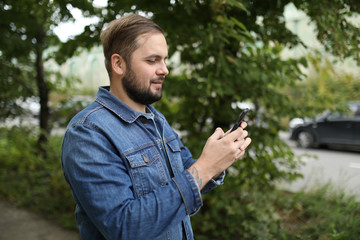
(151, 60)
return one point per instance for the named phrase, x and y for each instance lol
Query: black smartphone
(240, 119)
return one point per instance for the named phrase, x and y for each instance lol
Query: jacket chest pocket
(174, 152)
(146, 169)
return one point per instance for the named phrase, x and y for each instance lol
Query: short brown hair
(120, 36)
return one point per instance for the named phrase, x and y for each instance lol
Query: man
(130, 175)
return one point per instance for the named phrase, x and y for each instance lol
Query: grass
(322, 213)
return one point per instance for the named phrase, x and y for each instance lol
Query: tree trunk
(43, 89)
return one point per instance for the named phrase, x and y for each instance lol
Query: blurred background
(294, 64)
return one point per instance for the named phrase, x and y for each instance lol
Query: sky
(66, 30)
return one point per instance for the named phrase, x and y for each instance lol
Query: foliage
(67, 108)
(29, 180)
(322, 213)
(324, 88)
(230, 212)
(27, 41)
(335, 30)
(249, 213)
(14, 87)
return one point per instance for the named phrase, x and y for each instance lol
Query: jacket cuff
(189, 191)
(213, 183)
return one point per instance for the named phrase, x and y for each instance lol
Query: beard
(137, 92)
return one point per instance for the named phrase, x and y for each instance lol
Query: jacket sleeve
(102, 187)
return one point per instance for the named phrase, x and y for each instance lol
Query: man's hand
(220, 152)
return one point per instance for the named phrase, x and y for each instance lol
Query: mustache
(158, 79)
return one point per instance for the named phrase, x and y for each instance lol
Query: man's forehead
(153, 45)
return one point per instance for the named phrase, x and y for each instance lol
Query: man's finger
(245, 144)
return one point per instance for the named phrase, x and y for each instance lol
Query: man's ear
(117, 64)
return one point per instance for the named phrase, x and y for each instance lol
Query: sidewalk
(16, 223)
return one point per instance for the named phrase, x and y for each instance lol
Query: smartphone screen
(240, 119)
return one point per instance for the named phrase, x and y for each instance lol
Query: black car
(329, 129)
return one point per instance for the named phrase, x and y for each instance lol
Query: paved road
(340, 168)
(19, 224)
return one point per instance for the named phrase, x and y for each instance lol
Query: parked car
(329, 128)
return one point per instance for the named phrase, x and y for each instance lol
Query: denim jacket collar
(113, 104)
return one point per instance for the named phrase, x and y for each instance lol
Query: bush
(30, 181)
(233, 214)
(255, 214)
(322, 213)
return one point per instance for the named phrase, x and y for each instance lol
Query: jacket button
(146, 159)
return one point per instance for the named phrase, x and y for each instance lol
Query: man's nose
(163, 70)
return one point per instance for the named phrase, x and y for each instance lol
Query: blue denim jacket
(115, 162)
